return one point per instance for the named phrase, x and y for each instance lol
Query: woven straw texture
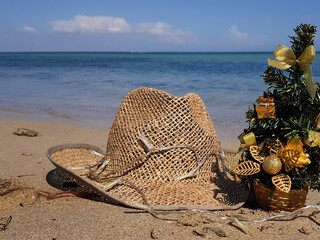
(276, 200)
(163, 121)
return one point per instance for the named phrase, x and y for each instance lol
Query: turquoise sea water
(89, 87)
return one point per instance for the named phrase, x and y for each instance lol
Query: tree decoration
(318, 122)
(294, 154)
(287, 59)
(289, 158)
(265, 108)
(284, 123)
(274, 149)
(255, 153)
(272, 165)
(282, 182)
(247, 168)
(313, 139)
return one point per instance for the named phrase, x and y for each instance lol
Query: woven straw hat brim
(77, 158)
(220, 193)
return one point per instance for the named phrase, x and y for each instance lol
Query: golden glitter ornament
(272, 165)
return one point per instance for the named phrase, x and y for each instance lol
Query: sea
(88, 87)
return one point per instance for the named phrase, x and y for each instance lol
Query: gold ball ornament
(272, 165)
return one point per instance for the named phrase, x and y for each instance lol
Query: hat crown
(163, 120)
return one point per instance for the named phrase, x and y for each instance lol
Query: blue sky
(152, 25)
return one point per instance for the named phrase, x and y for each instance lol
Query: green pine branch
(296, 113)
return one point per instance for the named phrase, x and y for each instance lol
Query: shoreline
(51, 115)
(226, 131)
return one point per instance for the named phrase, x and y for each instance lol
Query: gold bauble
(272, 165)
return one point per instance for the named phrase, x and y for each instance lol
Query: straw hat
(162, 153)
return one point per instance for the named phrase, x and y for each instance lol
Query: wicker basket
(276, 200)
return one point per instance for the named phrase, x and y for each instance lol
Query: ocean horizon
(88, 87)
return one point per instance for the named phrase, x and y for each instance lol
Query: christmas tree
(281, 147)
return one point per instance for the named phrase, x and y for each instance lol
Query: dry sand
(23, 164)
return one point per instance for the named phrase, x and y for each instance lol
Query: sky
(152, 25)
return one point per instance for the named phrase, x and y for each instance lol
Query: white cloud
(85, 24)
(154, 31)
(28, 29)
(163, 31)
(235, 34)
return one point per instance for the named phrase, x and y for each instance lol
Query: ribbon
(286, 58)
(246, 140)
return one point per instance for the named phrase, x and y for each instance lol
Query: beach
(74, 97)
(38, 215)
(167, 120)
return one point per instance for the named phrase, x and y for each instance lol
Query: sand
(24, 165)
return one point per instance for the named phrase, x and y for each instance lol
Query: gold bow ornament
(246, 140)
(286, 59)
